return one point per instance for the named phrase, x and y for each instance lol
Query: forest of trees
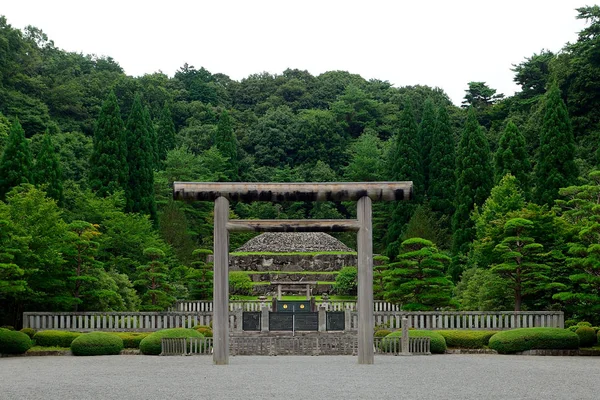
(506, 209)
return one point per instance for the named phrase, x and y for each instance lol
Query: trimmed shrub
(240, 283)
(13, 342)
(206, 331)
(8, 327)
(570, 322)
(438, 343)
(585, 323)
(131, 340)
(55, 338)
(150, 345)
(587, 336)
(524, 339)
(467, 339)
(382, 333)
(97, 344)
(29, 332)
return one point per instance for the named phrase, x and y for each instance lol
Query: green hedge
(467, 339)
(587, 336)
(55, 338)
(29, 332)
(523, 339)
(131, 340)
(13, 342)
(150, 345)
(97, 344)
(382, 333)
(438, 343)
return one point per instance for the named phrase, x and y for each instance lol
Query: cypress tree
(48, 170)
(165, 135)
(16, 162)
(555, 166)
(108, 164)
(442, 180)
(511, 156)
(405, 165)
(226, 143)
(140, 159)
(474, 180)
(426, 133)
(152, 135)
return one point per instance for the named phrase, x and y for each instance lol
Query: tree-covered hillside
(504, 186)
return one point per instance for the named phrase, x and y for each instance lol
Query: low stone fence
(122, 321)
(320, 345)
(256, 305)
(482, 320)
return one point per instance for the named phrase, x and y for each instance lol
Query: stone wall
(292, 263)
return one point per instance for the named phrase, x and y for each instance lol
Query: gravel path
(300, 377)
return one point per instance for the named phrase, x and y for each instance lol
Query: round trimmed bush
(585, 323)
(467, 339)
(55, 338)
(150, 345)
(13, 342)
(29, 332)
(97, 344)
(131, 340)
(206, 331)
(438, 343)
(587, 336)
(524, 339)
(382, 333)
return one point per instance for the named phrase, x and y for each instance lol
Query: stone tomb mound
(292, 257)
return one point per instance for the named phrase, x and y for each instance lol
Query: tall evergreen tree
(555, 166)
(426, 133)
(16, 162)
(165, 135)
(108, 164)
(511, 156)
(226, 143)
(153, 137)
(442, 166)
(140, 159)
(474, 180)
(405, 165)
(48, 170)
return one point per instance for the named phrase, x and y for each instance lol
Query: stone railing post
(264, 319)
(405, 338)
(322, 319)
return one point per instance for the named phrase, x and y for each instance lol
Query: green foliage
(13, 342)
(438, 343)
(366, 163)
(108, 165)
(427, 225)
(467, 339)
(29, 332)
(226, 142)
(55, 338)
(48, 171)
(482, 290)
(511, 157)
(442, 180)
(16, 164)
(200, 276)
(153, 278)
(523, 339)
(165, 133)
(381, 333)
(427, 129)
(206, 331)
(239, 283)
(346, 281)
(131, 340)
(417, 280)
(587, 336)
(555, 167)
(474, 180)
(151, 344)
(97, 344)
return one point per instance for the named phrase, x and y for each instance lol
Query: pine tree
(426, 133)
(555, 166)
(474, 180)
(405, 165)
(154, 278)
(16, 162)
(442, 179)
(108, 164)
(417, 280)
(48, 170)
(226, 143)
(511, 156)
(165, 135)
(140, 159)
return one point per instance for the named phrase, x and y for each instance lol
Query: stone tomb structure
(222, 193)
(281, 263)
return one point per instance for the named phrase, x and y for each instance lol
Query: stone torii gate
(221, 193)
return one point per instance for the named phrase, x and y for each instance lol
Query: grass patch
(298, 253)
(35, 349)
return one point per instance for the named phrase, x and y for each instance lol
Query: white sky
(444, 43)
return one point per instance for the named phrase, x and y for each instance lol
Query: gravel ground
(314, 378)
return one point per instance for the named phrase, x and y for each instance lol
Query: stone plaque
(293, 306)
(336, 321)
(281, 321)
(251, 321)
(308, 321)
